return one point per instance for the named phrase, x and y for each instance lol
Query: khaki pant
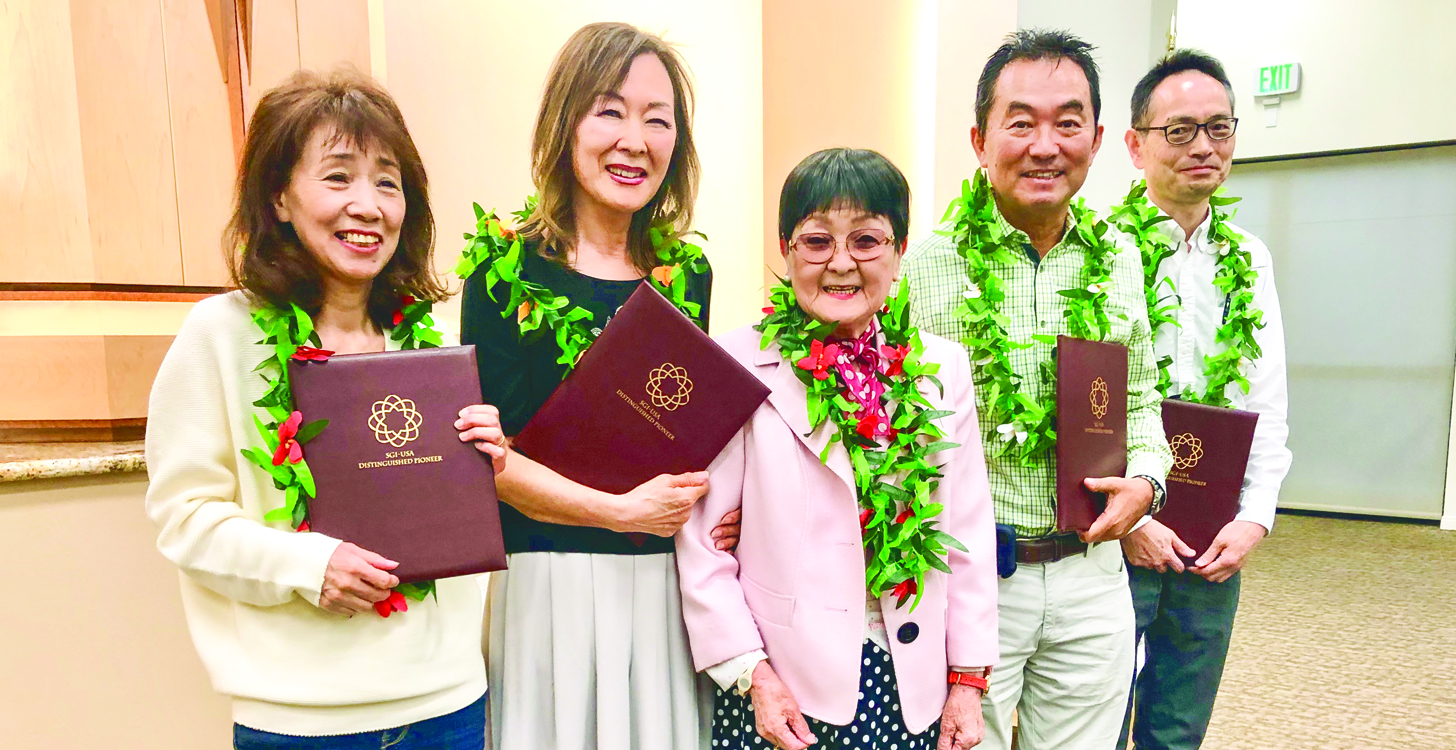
(1067, 647)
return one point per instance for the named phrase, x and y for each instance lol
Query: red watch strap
(969, 680)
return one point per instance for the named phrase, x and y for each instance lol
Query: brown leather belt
(1048, 549)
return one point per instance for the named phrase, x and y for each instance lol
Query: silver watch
(1159, 496)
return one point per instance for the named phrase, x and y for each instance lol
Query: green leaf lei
(1235, 277)
(898, 523)
(1024, 422)
(501, 249)
(291, 332)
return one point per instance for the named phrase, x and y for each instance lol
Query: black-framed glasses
(1179, 133)
(863, 245)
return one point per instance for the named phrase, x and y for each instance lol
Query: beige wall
(910, 95)
(967, 33)
(1374, 73)
(468, 76)
(827, 83)
(94, 646)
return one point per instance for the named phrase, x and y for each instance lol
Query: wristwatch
(1159, 496)
(976, 678)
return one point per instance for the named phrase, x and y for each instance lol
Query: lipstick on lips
(627, 175)
(360, 240)
(840, 291)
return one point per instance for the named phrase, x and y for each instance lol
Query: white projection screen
(1364, 252)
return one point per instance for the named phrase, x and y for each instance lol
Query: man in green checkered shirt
(1066, 618)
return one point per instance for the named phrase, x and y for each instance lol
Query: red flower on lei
(395, 603)
(821, 358)
(404, 302)
(868, 426)
(310, 354)
(873, 424)
(894, 359)
(904, 590)
(288, 448)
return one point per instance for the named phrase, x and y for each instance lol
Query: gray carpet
(1345, 639)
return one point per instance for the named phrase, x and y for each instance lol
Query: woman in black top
(586, 646)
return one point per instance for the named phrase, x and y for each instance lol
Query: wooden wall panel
(202, 139)
(332, 32)
(126, 140)
(42, 179)
(132, 363)
(53, 377)
(274, 29)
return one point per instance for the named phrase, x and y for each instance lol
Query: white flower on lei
(1101, 287)
(972, 292)
(1009, 432)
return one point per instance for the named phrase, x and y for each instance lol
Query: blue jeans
(461, 730)
(1186, 623)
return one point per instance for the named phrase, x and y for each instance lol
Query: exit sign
(1279, 79)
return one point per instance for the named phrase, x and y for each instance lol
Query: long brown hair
(593, 62)
(264, 254)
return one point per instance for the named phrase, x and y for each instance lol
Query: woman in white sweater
(334, 233)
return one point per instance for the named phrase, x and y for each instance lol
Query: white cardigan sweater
(251, 589)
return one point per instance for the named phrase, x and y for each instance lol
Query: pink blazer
(796, 587)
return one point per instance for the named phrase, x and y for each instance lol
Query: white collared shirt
(1191, 270)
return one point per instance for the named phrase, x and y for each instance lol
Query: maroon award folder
(653, 395)
(1210, 448)
(391, 473)
(1091, 426)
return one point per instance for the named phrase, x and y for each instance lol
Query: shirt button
(908, 633)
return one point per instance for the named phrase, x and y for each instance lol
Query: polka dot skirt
(877, 724)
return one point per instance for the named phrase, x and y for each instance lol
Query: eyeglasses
(1218, 129)
(863, 245)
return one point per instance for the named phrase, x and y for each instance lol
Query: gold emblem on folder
(1099, 398)
(379, 421)
(1186, 449)
(669, 386)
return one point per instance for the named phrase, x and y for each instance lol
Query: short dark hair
(855, 178)
(265, 256)
(1034, 45)
(1179, 61)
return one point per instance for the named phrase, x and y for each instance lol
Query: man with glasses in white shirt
(1183, 140)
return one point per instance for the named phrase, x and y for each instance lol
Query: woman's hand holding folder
(481, 423)
(355, 579)
(659, 506)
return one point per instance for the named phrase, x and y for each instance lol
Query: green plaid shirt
(1025, 496)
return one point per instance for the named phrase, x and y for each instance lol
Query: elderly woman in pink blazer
(860, 608)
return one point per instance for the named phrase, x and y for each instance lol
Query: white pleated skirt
(589, 652)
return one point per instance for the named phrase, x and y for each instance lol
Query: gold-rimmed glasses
(863, 244)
